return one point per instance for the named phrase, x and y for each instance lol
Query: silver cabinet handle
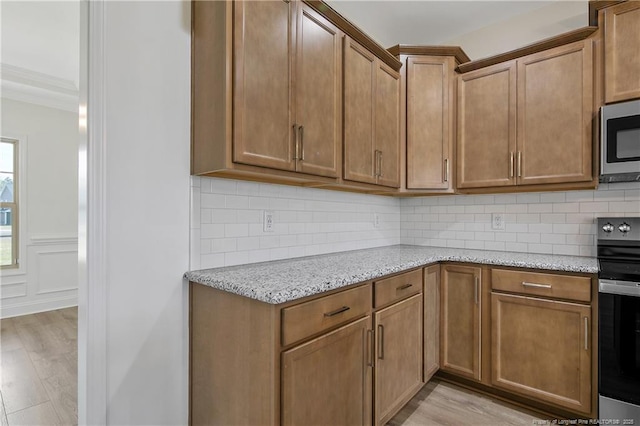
(380, 341)
(475, 292)
(301, 131)
(526, 284)
(446, 170)
(375, 164)
(586, 333)
(404, 287)
(511, 164)
(295, 141)
(519, 163)
(370, 348)
(337, 311)
(380, 168)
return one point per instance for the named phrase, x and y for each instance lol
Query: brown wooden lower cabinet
(542, 349)
(327, 381)
(431, 304)
(356, 356)
(461, 320)
(399, 356)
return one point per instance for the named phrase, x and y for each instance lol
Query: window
(8, 203)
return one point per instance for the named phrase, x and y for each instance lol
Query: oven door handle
(625, 288)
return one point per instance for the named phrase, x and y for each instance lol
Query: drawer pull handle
(337, 311)
(526, 284)
(404, 287)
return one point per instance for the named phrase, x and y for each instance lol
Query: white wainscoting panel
(57, 270)
(50, 280)
(12, 290)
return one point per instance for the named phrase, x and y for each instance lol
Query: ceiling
(42, 36)
(428, 22)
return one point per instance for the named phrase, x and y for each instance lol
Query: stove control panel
(619, 228)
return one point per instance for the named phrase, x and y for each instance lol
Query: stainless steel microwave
(620, 142)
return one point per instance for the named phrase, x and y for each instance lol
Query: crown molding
(24, 85)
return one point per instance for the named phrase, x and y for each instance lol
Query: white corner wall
(48, 185)
(548, 21)
(147, 139)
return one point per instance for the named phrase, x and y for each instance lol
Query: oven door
(621, 138)
(619, 336)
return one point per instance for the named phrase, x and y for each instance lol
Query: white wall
(147, 125)
(549, 222)
(48, 140)
(548, 21)
(227, 222)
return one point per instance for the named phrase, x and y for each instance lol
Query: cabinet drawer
(542, 284)
(397, 288)
(309, 318)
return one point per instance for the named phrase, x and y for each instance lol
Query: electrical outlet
(497, 221)
(267, 221)
(376, 220)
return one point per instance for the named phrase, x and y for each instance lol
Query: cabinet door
(263, 51)
(622, 52)
(359, 103)
(318, 94)
(399, 356)
(431, 303)
(461, 310)
(387, 128)
(327, 381)
(487, 126)
(555, 111)
(541, 349)
(430, 115)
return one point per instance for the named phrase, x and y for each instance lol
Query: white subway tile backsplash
(566, 250)
(594, 207)
(212, 230)
(632, 195)
(566, 228)
(549, 222)
(566, 207)
(522, 247)
(553, 238)
(540, 208)
(553, 197)
(227, 227)
(528, 238)
(624, 206)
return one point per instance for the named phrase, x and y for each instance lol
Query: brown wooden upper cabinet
(283, 108)
(430, 117)
(528, 121)
(371, 118)
(287, 112)
(622, 51)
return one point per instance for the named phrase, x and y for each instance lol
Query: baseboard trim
(34, 307)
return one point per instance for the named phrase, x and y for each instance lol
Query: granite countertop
(285, 280)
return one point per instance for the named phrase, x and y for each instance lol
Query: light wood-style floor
(441, 403)
(39, 367)
(39, 358)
